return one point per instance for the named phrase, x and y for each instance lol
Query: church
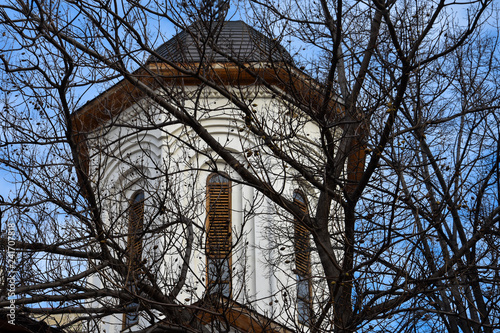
(202, 162)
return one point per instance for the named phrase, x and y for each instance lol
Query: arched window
(302, 263)
(134, 253)
(218, 241)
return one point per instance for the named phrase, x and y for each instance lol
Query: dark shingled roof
(235, 38)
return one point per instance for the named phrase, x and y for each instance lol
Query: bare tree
(387, 126)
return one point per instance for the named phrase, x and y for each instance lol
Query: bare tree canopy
(144, 142)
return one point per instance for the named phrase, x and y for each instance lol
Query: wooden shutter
(135, 229)
(218, 242)
(219, 217)
(134, 254)
(302, 264)
(301, 239)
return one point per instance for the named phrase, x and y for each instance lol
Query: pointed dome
(235, 39)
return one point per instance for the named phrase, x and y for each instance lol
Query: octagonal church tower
(188, 158)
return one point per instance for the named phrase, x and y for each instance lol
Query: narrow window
(131, 317)
(135, 225)
(218, 242)
(134, 254)
(302, 263)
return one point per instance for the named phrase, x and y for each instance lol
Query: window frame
(224, 256)
(134, 247)
(301, 243)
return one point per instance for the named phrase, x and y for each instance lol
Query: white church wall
(133, 160)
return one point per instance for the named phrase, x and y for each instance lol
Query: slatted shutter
(134, 254)
(302, 263)
(301, 241)
(218, 241)
(135, 226)
(219, 217)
